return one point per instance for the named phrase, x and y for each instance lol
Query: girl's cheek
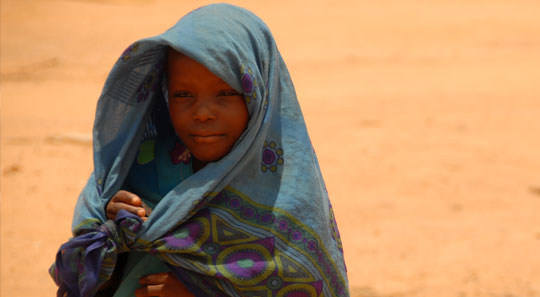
(176, 108)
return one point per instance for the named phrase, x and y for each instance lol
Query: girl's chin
(207, 153)
(207, 157)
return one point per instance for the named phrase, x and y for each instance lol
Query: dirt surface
(425, 116)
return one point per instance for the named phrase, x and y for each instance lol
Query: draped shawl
(258, 222)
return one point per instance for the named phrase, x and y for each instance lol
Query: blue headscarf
(257, 222)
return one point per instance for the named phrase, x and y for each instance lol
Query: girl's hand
(126, 201)
(163, 284)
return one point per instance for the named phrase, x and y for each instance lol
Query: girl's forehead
(183, 70)
(179, 63)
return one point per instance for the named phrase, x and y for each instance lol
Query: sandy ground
(424, 115)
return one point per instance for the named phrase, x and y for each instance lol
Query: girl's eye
(229, 93)
(182, 94)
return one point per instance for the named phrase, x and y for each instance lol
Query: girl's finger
(111, 210)
(127, 197)
(149, 291)
(147, 208)
(154, 279)
(115, 207)
(155, 290)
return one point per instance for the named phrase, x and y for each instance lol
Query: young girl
(205, 182)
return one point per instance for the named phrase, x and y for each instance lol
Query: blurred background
(425, 116)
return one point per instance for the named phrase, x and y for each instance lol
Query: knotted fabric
(84, 263)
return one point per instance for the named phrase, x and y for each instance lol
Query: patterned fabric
(258, 222)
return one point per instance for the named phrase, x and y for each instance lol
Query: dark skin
(209, 116)
(124, 200)
(161, 284)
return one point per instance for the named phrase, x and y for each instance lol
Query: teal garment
(257, 222)
(139, 264)
(152, 175)
(162, 162)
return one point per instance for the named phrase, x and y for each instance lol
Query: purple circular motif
(266, 218)
(283, 225)
(268, 156)
(245, 264)
(248, 212)
(247, 84)
(234, 203)
(184, 237)
(312, 245)
(296, 235)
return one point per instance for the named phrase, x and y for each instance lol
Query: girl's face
(207, 114)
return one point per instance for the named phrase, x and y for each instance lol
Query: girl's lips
(207, 138)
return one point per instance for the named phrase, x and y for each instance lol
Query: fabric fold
(87, 261)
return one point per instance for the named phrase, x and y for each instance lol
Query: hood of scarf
(271, 176)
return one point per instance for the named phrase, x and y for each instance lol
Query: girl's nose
(203, 112)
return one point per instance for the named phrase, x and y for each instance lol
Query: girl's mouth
(207, 138)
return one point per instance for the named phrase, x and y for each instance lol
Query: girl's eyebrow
(188, 79)
(192, 83)
(179, 81)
